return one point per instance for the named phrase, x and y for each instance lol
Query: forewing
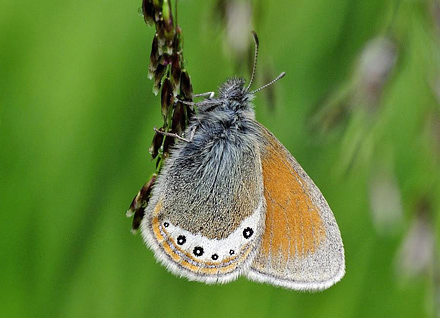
(301, 246)
(206, 214)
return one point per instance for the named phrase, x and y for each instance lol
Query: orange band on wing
(293, 223)
(157, 208)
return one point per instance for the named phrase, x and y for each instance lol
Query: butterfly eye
(247, 232)
(214, 257)
(166, 224)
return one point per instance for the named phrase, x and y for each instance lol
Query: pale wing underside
(205, 222)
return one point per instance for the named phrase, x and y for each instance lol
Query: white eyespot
(181, 239)
(198, 251)
(247, 232)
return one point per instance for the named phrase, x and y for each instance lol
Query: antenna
(270, 83)
(255, 60)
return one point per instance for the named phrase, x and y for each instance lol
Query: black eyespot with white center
(214, 257)
(198, 251)
(181, 239)
(247, 232)
(231, 252)
(166, 224)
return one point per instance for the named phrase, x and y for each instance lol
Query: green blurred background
(359, 109)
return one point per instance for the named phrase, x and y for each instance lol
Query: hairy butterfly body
(233, 201)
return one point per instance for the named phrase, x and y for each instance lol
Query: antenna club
(255, 60)
(254, 34)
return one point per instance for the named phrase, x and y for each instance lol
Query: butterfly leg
(210, 95)
(173, 135)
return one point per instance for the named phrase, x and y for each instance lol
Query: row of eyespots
(198, 250)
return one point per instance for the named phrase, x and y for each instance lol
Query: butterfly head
(234, 93)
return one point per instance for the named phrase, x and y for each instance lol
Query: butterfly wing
(302, 247)
(205, 218)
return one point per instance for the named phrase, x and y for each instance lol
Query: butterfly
(232, 201)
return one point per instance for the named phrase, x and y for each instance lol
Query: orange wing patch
(301, 247)
(294, 228)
